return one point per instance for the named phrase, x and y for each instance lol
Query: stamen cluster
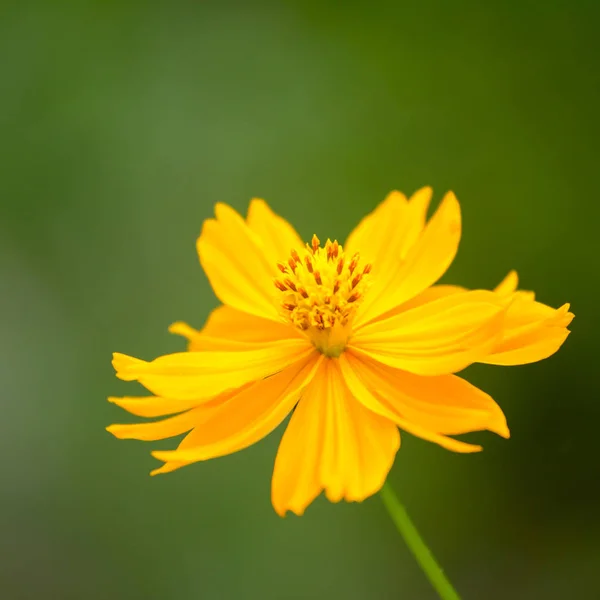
(321, 287)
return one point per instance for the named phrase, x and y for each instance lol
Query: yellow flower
(356, 340)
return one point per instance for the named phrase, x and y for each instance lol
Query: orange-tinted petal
(166, 428)
(189, 375)
(235, 262)
(278, 237)
(426, 261)
(445, 404)
(153, 406)
(157, 406)
(437, 338)
(244, 419)
(532, 331)
(332, 443)
(372, 400)
(230, 324)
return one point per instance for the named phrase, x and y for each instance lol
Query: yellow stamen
(322, 292)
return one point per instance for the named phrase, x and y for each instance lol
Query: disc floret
(321, 289)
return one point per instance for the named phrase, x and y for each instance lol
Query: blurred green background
(122, 123)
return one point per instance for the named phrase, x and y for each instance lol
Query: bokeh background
(122, 123)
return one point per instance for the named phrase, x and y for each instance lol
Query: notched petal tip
(501, 428)
(283, 511)
(182, 329)
(159, 470)
(163, 455)
(207, 225)
(451, 207)
(447, 442)
(459, 447)
(425, 190)
(258, 203)
(421, 199)
(395, 196)
(126, 367)
(223, 210)
(532, 332)
(496, 422)
(227, 215)
(465, 448)
(117, 431)
(509, 284)
(168, 467)
(563, 316)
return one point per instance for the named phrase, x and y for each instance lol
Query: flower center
(321, 290)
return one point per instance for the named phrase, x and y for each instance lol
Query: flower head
(355, 340)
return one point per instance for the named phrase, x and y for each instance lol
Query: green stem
(416, 544)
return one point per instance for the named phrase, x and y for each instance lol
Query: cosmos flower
(355, 341)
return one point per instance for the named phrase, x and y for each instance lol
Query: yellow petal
(504, 288)
(332, 443)
(236, 264)
(509, 284)
(445, 404)
(530, 351)
(157, 430)
(245, 418)
(156, 406)
(230, 324)
(429, 295)
(437, 338)
(279, 238)
(417, 217)
(384, 237)
(197, 412)
(372, 400)
(372, 235)
(205, 343)
(425, 263)
(532, 332)
(404, 221)
(152, 406)
(197, 375)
